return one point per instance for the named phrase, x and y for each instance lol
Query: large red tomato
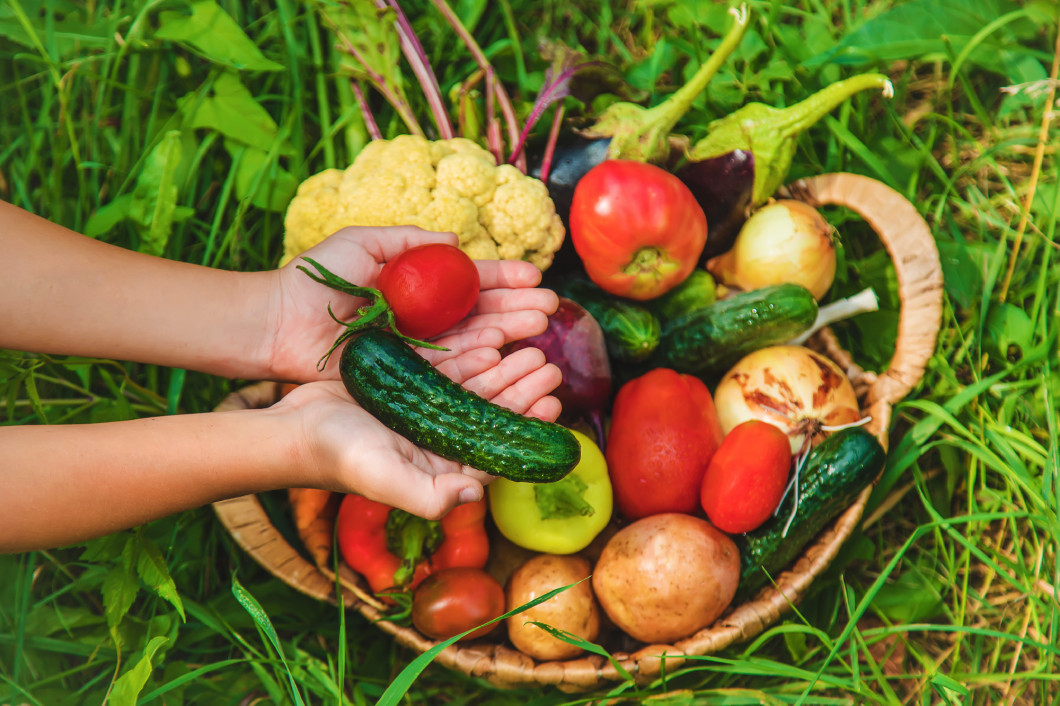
(637, 228)
(746, 477)
(430, 288)
(451, 601)
(664, 431)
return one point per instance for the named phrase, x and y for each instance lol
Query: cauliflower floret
(469, 175)
(303, 223)
(481, 248)
(445, 185)
(516, 220)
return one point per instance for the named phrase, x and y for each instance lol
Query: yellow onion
(786, 241)
(800, 391)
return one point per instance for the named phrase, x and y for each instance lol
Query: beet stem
(417, 58)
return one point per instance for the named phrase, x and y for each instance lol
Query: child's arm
(67, 483)
(67, 294)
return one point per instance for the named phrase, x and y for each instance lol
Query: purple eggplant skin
(575, 343)
(572, 157)
(723, 186)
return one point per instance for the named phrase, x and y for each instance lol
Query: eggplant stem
(665, 115)
(797, 118)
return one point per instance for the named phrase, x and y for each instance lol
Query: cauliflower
(442, 185)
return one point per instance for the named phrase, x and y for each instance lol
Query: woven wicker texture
(907, 239)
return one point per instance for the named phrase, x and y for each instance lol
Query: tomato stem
(376, 314)
(645, 260)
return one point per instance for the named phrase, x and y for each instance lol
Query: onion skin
(785, 242)
(575, 343)
(792, 388)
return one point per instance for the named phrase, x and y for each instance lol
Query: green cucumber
(631, 331)
(834, 474)
(698, 291)
(712, 339)
(397, 386)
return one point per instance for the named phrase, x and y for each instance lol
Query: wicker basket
(910, 244)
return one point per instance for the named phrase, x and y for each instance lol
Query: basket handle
(908, 239)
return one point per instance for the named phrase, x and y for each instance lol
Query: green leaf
(110, 214)
(1009, 332)
(211, 32)
(910, 598)
(152, 205)
(261, 179)
(924, 29)
(157, 180)
(128, 686)
(231, 110)
(261, 619)
(943, 683)
(65, 24)
(152, 568)
(105, 548)
(961, 275)
(121, 584)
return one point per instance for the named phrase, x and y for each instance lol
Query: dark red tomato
(430, 288)
(746, 477)
(637, 228)
(453, 600)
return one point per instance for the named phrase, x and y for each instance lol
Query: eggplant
(771, 134)
(626, 130)
(745, 156)
(572, 157)
(723, 186)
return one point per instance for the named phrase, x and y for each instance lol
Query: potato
(666, 576)
(574, 610)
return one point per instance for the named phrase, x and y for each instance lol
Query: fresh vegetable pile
(702, 445)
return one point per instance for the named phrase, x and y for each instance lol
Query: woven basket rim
(909, 242)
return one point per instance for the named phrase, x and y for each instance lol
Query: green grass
(947, 592)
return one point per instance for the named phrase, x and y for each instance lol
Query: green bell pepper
(556, 518)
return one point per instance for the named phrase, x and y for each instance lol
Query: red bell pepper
(392, 548)
(637, 228)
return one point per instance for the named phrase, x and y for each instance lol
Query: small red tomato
(430, 288)
(746, 477)
(450, 601)
(637, 228)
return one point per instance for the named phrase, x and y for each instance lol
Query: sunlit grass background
(142, 124)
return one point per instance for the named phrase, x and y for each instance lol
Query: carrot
(314, 513)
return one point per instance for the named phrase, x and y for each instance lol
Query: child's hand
(350, 451)
(302, 330)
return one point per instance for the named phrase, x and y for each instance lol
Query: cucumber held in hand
(397, 386)
(401, 389)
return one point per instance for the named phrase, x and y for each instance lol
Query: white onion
(791, 387)
(783, 242)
